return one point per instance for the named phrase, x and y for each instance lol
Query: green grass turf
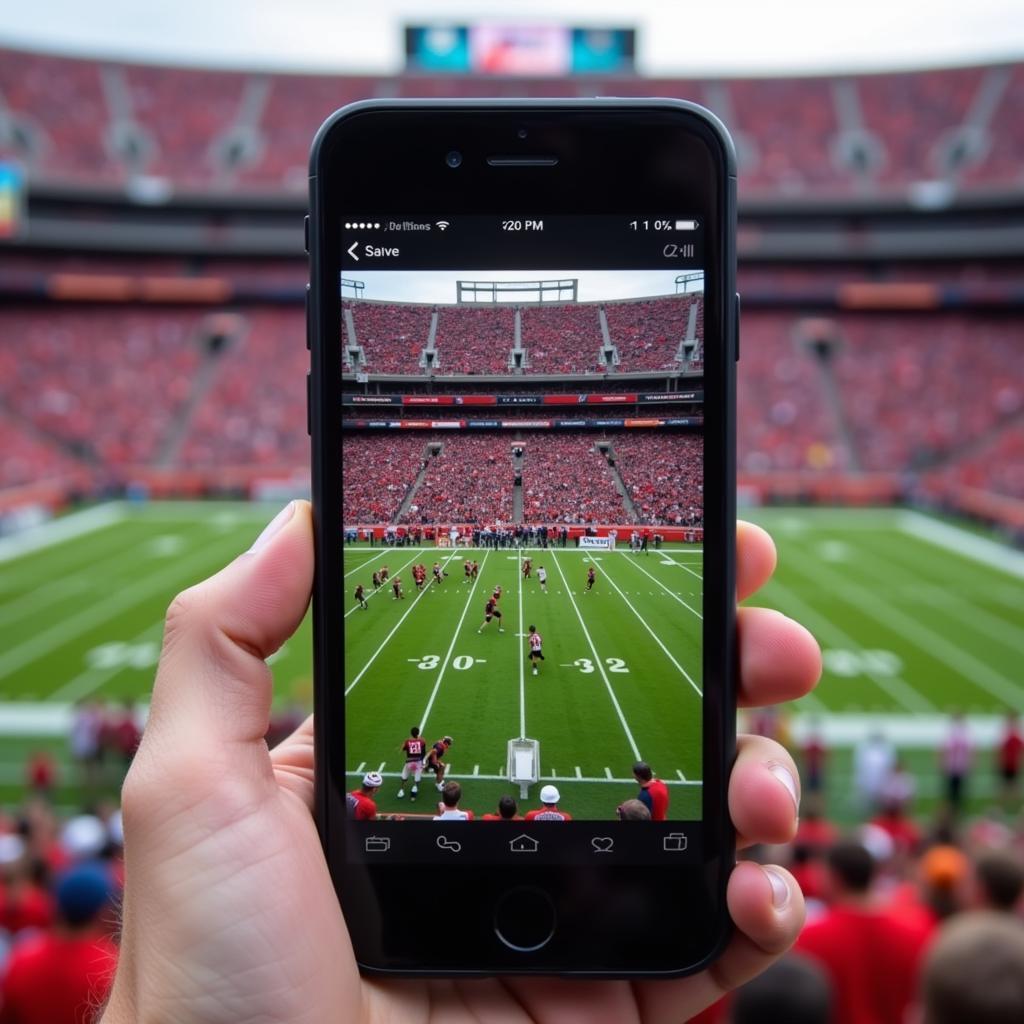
(613, 687)
(912, 627)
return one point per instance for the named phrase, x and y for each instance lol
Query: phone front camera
(521, 133)
(453, 159)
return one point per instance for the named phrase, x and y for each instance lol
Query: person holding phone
(230, 913)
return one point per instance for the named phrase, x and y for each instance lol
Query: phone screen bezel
(613, 156)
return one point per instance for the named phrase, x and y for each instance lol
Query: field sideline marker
(963, 542)
(552, 778)
(58, 530)
(394, 630)
(600, 664)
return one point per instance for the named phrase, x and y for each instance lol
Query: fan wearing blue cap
(361, 805)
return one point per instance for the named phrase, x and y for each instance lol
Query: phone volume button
(309, 405)
(736, 327)
(309, 322)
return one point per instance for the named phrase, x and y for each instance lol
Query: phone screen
(523, 465)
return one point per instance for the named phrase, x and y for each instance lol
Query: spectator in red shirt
(653, 792)
(507, 811)
(23, 903)
(871, 957)
(975, 972)
(1008, 758)
(548, 811)
(361, 805)
(62, 976)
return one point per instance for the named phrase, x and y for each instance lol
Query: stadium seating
(393, 336)
(473, 340)
(469, 482)
(25, 458)
(224, 130)
(562, 339)
(378, 474)
(110, 383)
(664, 476)
(567, 480)
(647, 334)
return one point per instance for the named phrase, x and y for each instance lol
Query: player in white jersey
(536, 648)
(542, 578)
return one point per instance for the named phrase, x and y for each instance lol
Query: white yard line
(383, 586)
(827, 632)
(61, 633)
(599, 663)
(547, 778)
(362, 565)
(58, 530)
(932, 644)
(522, 652)
(671, 593)
(394, 629)
(451, 647)
(657, 639)
(963, 542)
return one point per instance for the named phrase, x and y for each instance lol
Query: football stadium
(153, 419)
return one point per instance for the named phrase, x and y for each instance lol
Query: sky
(432, 286)
(728, 37)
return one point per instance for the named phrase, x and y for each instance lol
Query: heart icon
(602, 844)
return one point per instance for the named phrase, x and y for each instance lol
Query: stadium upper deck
(100, 123)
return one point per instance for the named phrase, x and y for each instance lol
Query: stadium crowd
(647, 334)
(378, 474)
(469, 481)
(568, 480)
(664, 476)
(562, 339)
(471, 340)
(392, 335)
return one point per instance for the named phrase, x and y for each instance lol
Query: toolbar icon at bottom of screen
(674, 842)
(377, 844)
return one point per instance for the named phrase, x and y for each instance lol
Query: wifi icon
(443, 225)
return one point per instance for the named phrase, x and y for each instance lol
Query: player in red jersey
(496, 596)
(591, 579)
(415, 750)
(419, 575)
(491, 611)
(476, 568)
(435, 760)
(653, 792)
(548, 811)
(536, 653)
(396, 587)
(377, 581)
(527, 568)
(361, 595)
(360, 802)
(385, 572)
(467, 568)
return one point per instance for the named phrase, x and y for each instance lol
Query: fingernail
(272, 528)
(785, 776)
(780, 887)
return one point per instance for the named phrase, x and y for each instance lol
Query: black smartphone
(523, 332)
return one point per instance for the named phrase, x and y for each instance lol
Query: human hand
(230, 914)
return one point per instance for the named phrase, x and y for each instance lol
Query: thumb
(213, 685)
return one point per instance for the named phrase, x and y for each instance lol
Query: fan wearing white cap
(548, 811)
(361, 805)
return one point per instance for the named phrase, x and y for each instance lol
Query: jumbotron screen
(519, 49)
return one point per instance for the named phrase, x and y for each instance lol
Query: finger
(764, 792)
(213, 686)
(293, 762)
(779, 659)
(755, 559)
(767, 908)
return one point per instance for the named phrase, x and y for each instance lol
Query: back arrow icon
(351, 253)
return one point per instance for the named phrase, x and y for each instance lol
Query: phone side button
(309, 321)
(309, 405)
(524, 919)
(305, 233)
(736, 327)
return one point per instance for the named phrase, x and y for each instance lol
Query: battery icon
(686, 225)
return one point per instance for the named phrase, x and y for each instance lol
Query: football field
(916, 615)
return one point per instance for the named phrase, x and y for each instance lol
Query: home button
(524, 919)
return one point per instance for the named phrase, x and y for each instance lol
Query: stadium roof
(745, 37)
